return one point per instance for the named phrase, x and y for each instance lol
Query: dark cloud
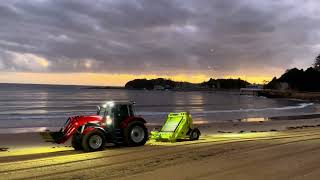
(162, 36)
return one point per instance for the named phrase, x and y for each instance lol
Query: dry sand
(276, 154)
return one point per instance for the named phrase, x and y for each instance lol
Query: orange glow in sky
(102, 79)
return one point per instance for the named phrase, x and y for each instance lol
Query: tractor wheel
(93, 141)
(195, 134)
(76, 142)
(136, 134)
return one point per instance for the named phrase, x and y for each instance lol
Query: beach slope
(262, 155)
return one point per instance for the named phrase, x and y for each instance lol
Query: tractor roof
(112, 103)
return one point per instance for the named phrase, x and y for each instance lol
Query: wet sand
(285, 150)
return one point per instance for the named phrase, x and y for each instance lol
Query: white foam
(26, 130)
(299, 106)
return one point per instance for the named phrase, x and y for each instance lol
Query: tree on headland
(225, 83)
(317, 63)
(298, 79)
(162, 83)
(150, 84)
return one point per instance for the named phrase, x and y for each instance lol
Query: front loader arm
(71, 127)
(59, 137)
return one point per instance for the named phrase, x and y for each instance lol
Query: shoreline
(26, 140)
(302, 117)
(307, 96)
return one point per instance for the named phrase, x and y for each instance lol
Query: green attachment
(177, 126)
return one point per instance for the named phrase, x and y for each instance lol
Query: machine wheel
(93, 141)
(136, 134)
(195, 134)
(76, 142)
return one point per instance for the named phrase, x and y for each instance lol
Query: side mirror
(98, 110)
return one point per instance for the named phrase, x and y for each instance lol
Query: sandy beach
(242, 150)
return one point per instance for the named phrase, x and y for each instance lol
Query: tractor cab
(115, 112)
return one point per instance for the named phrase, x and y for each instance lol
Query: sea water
(32, 106)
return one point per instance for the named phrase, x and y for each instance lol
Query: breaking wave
(299, 106)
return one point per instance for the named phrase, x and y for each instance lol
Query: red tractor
(115, 122)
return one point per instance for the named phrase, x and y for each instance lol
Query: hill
(298, 80)
(161, 84)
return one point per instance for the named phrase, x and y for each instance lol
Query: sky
(109, 42)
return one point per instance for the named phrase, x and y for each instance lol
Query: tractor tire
(136, 134)
(195, 134)
(76, 142)
(93, 141)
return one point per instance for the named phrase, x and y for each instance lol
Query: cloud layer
(211, 37)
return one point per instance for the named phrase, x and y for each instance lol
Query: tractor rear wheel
(76, 142)
(136, 134)
(93, 141)
(195, 134)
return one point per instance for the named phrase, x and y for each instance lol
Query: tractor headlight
(110, 104)
(109, 120)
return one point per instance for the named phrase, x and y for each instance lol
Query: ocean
(31, 106)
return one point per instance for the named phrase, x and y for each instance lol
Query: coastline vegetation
(298, 79)
(167, 84)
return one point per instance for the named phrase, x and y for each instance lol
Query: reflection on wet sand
(259, 119)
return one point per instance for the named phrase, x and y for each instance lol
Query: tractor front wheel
(195, 134)
(76, 142)
(93, 141)
(136, 134)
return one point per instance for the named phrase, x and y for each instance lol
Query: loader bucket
(63, 134)
(54, 137)
(177, 126)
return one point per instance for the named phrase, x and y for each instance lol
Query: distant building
(218, 85)
(185, 85)
(254, 86)
(252, 90)
(283, 86)
(158, 87)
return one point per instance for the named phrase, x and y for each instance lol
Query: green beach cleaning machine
(178, 126)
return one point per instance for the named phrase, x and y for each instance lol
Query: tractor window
(123, 111)
(105, 112)
(102, 112)
(130, 108)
